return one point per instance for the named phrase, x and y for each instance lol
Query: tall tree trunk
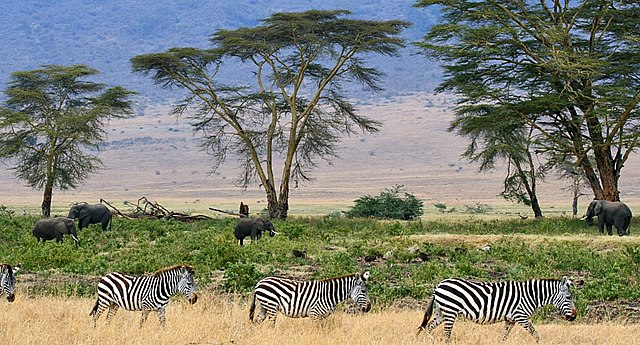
(46, 199)
(607, 172)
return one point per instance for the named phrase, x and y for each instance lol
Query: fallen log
(145, 209)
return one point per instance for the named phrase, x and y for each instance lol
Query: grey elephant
(609, 213)
(91, 214)
(54, 228)
(253, 227)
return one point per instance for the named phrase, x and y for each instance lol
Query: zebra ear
(365, 276)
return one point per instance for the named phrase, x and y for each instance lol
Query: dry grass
(213, 321)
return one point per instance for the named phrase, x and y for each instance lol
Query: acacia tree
(568, 69)
(495, 137)
(51, 117)
(296, 111)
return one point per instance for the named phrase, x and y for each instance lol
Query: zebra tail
(252, 308)
(95, 308)
(427, 316)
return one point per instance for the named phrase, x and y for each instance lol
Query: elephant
(50, 228)
(91, 214)
(609, 213)
(252, 227)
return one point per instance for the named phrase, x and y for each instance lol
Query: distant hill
(106, 34)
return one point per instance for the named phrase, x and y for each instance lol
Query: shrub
(388, 205)
(240, 277)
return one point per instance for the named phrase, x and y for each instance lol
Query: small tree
(296, 111)
(52, 115)
(388, 205)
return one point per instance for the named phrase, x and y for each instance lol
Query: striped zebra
(8, 280)
(487, 303)
(145, 293)
(316, 299)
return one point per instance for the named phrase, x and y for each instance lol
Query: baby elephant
(252, 227)
(50, 228)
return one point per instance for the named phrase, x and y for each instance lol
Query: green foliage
(240, 277)
(408, 260)
(388, 205)
(525, 90)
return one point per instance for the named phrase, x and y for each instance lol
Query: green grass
(334, 246)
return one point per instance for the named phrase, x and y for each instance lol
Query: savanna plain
(478, 236)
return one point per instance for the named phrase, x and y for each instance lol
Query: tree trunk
(46, 199)
(535, 206)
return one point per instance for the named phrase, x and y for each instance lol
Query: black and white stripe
(8, 280)
(487, 303)
(316, 299)
(145, 293)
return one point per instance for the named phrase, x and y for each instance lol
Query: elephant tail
(427, 316)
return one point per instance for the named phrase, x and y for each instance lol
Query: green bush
(388, 205)
(240, 277)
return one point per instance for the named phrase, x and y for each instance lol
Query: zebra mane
(339, 277)
(9, 270)
(174, 267)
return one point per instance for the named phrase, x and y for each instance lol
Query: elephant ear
(259, 223)
(84, 211)
(597, 208)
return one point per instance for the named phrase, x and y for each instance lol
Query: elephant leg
(241, 242)
(609, 229)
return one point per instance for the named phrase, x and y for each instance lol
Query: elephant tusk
(583, 218)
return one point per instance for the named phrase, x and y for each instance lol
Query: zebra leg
(271, 311)
(145, 314)
(97, 311)
(449, 320)
(529, 327)
(508, 325)
(161, 316)
(262, 314)
(113, 308)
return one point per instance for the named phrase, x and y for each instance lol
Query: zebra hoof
(193, 299)
(11, 298)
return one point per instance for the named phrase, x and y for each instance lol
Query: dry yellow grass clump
(215, 321)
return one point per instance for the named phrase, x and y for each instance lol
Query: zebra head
(8, 280)
(359, 293)
(563, 300)
(187, 285)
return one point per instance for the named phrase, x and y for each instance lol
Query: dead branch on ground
(145, 209)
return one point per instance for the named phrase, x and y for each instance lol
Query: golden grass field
(212, 321)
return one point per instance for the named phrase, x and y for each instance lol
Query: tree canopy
(296, 111)
(51, 118)
(568, 70)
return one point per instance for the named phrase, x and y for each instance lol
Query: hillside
(157, 156)
(105, 35)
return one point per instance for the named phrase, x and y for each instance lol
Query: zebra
(315, 299)
(145, 293)
(8, 280)
(486, 303)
